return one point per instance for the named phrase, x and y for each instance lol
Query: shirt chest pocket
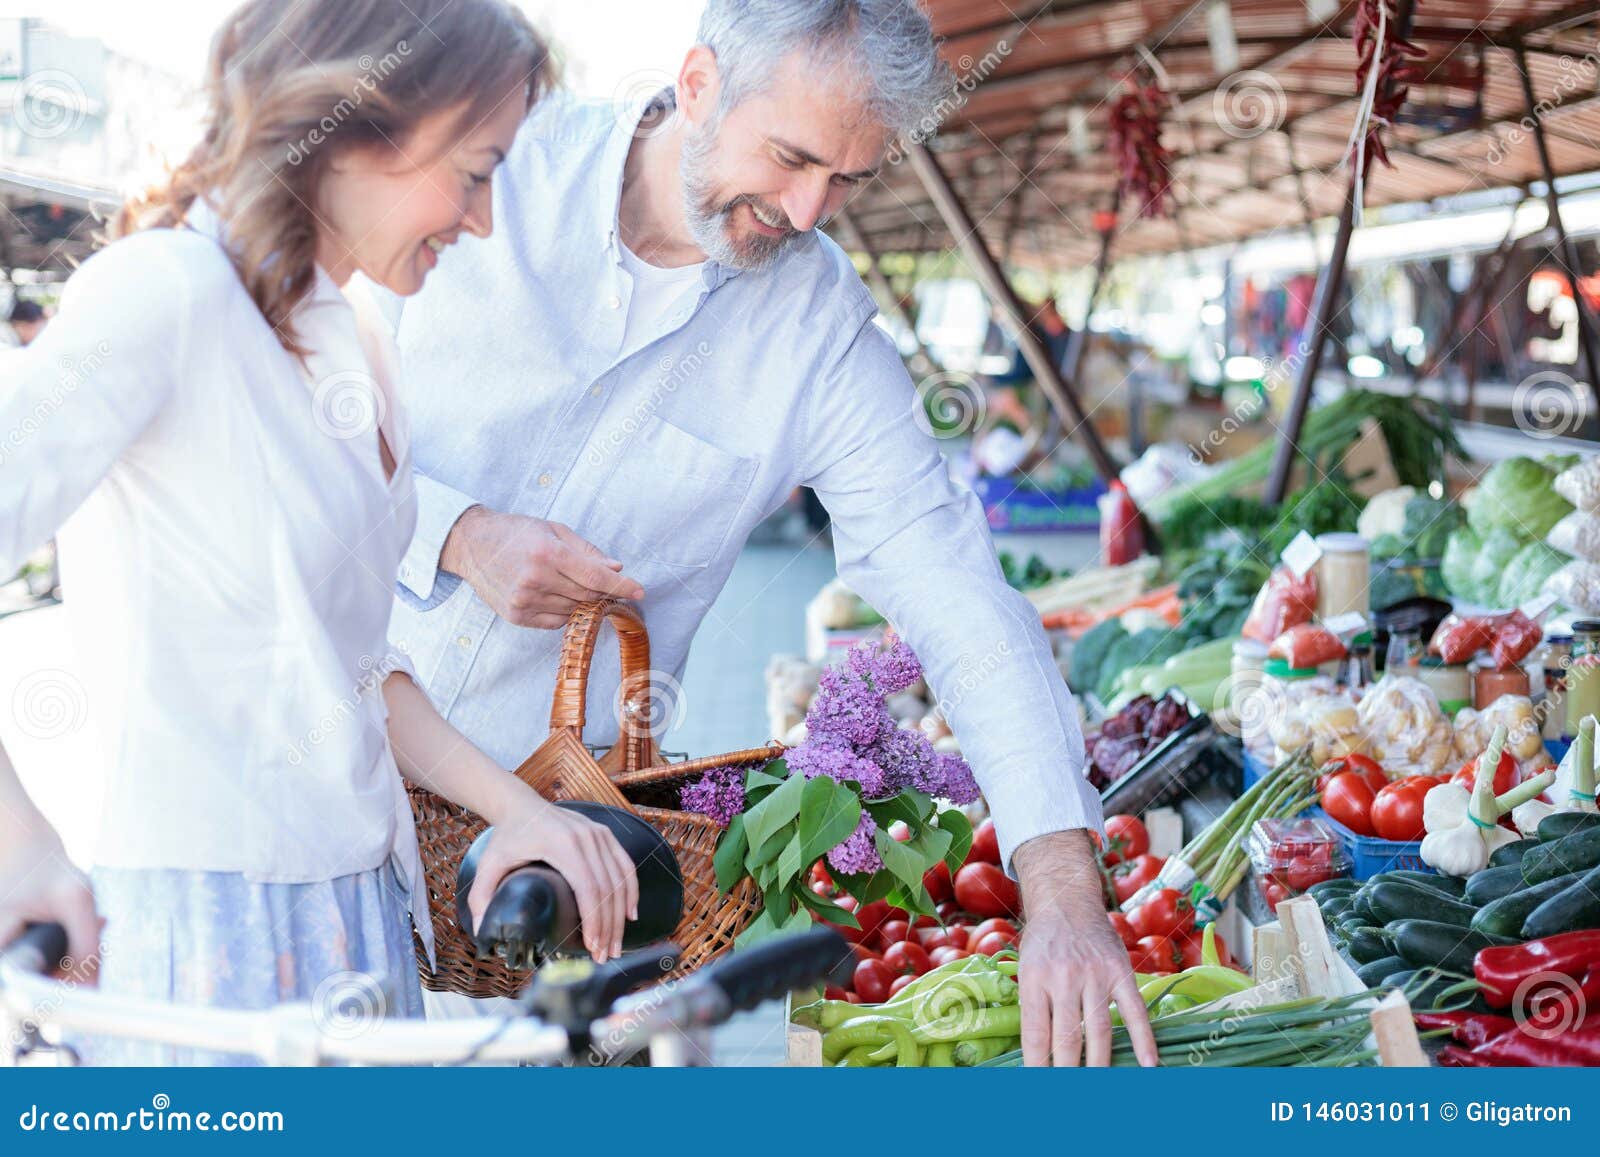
(670, 498)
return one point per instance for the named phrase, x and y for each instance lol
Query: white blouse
(228, 545)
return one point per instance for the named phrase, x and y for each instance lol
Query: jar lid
(1250, 649)
(1586, 626)
(1436, 661)
(1342, 543)
(1281, 668)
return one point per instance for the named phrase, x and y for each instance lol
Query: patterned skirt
(217, 939)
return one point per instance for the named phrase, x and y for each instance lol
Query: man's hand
(1073, 963)
(531, 572)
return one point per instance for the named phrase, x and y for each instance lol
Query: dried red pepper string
(1144, 163)
(1396, 74)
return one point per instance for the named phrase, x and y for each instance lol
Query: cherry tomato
(960, 935)
(1365, 768)
(1348, 799)
(1156, 954)
(872, 916)
(899, 982)
(1303, 871)
(931, 938)
(820, 874)
(924, 922)
(1397, 809)
(946, 954)
(907, 956)
(834, 992)
(821, 888)
(949, 910)
(1129, 839)
(1005, 927)
(1505, 775)
(852, 998)
(984, 890)
(938, 882)
(872, 980)
(1189, 950)
(991, 943)
(864, 952)
(1128, 877)
(1167, 913)
(1224, 957)
(1123, 928)
(893, 931)
(985, 845)
(1274, 894)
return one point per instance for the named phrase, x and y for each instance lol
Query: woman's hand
(38, 884)
(587, 854)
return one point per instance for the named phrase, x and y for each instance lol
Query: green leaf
(769, 851)
(729, 859)
(760, 778)
(960, 828)
(827, 909)
(776, 810)
(790, 865)
(905, 864)
(761, 928)
(866, 886)
(933, 844)
(914, 900)
(914, 807)
(829, 812)
(798, 921)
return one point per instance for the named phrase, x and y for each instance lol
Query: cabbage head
(1525, 573)
(1517, 495)
(1460, 552)
(1499, 547)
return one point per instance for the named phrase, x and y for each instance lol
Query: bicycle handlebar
(41, 948)
(772, 970)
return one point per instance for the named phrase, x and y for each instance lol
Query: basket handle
(572, 677)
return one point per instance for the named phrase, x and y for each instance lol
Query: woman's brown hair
(289, 82)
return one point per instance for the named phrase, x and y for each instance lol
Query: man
(24, 324)
(655, 347)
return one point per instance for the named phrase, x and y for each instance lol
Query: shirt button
(614, 302)
(463, 640)
(595, 391)
(545, 479)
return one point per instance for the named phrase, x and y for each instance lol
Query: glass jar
(1343, 576)
(1451, 683)
(1404, 651)
(1247, 672)
(1356, 667)
(1583, 675)
(1554, 658)
(1489, 683)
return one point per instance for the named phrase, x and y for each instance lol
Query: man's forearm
(455, 555)
(1059, 869)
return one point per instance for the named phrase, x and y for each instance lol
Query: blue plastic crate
(1369, 855)
(1014, 508)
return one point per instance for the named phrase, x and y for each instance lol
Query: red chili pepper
(1455, 1057)
(1512, 974)
(1527, 1048)
(1467, 1028)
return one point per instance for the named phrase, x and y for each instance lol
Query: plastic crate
(1369, 855)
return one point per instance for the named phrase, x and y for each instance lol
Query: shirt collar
(203, 218)
(613, 162)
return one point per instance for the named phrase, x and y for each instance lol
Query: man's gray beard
(708, 219)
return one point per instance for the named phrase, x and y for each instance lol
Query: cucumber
(1449, 885)
(1336, 908)
(1559, 824)
(1428, 943)
(1328, 889)
(1372, 974)
(1361, 905)
(1511, 853)
(1492, 883)
(1575, 907)
(1399, 901)
(1505, 916)
(1365, 945)
(1578, 852)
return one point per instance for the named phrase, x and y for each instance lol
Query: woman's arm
(527, 827)
(37, 881)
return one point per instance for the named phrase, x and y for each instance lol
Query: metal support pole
(1080, 340)
(1568, 250)
(1062, 397)
(856, 239)
(1329, 288)
(1019, 197)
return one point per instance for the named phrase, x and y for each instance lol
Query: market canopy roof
(47, 222)
(1024, 138)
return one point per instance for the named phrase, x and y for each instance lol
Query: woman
(213, 426)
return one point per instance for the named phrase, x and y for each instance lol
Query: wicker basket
(564, 768)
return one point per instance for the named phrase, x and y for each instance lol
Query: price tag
(1346, 626)
(1301, 554)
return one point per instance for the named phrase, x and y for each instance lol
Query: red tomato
(960, 935)
(834, 992)
(1224, 957)
(1189, 949)
(893, 931)
(1505, 775)
(907, 956)
(872, 980)
(1167, 913)
(819, 873)
(899, 831)
(899, 982)
(1367, 770)
(1127, 878)
(1128, 839)
(1156, 954)
(872, 916)
(985, 845)
(984, 890)
(1274, 894)
(852, 998)
(864, 952)
(924, 922)
(821, 888)
(949, 910)
(1348, 799)
(1004, 927)
(938, 882)
(1123, 928)
(946, 954)
(1397, 809)
(1303, 871)
(931, 938)
(991, 943)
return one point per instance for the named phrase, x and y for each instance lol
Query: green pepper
(941, 1055)
(981, 1049)
(1005, 1020)
(871, 1030)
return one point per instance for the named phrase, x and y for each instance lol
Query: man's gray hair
(885, 46)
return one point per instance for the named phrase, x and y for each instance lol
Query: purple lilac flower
(956, 781)
(718, 794)
(857, 853)
(890, 669)
(846, 711)
(907, 760)
(820, 756)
